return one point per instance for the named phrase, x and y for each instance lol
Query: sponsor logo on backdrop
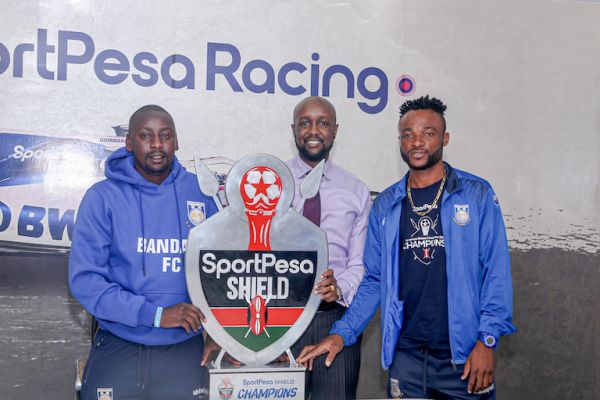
(42, 179)
(405, 85)
(224, 67)
(54, 165)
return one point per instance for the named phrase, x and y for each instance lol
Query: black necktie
(312, 209)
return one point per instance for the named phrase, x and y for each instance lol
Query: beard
(316, 157)
(152, 169)
(432, 159)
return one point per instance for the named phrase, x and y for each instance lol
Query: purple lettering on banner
(138, 63)
(314, 76)
(339, 69)
(212, 69)
(282, 78)
(268, 86)
(18, 58)
(187, 81)
(64, 58)
(114, 67)
(43, 49)
(103, 64)
(380, 94)
(4, 58)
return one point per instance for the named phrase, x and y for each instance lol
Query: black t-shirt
(423, 280)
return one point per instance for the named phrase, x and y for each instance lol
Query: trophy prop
(251, 269)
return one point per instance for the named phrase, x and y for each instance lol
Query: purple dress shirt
(345, 206)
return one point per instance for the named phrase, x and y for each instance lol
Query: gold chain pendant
(437, 197)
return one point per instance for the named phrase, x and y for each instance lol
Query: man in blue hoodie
(437, 261)
(126, 268)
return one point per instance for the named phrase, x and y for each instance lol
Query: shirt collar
(301, 168)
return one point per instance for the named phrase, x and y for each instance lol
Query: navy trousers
(118, 369)
(427, 373)
(339, 381)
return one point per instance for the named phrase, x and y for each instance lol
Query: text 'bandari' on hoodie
(127, 256)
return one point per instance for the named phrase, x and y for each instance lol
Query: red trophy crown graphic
(260, 188)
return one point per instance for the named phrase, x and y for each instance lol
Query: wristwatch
(340, 295)
(488, 340)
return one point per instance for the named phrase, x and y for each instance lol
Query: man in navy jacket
(437, 261)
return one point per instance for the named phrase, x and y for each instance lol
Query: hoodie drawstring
(177, 218)
(143, 230)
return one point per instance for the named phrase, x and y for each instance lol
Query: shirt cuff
(346, 293)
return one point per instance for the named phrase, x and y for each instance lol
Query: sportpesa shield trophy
(251, 269)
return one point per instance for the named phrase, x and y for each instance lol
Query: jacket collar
(452, 182)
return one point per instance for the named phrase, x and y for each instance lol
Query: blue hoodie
(127, 255)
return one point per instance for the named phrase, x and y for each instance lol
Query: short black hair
(424, 103)
(142, 110)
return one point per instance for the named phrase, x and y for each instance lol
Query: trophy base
(273, 381)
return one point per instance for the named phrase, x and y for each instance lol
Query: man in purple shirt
(343, 214)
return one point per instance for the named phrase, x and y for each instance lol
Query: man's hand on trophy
(331, 345)
(327, 287)
(209, 347)
(184, 315)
